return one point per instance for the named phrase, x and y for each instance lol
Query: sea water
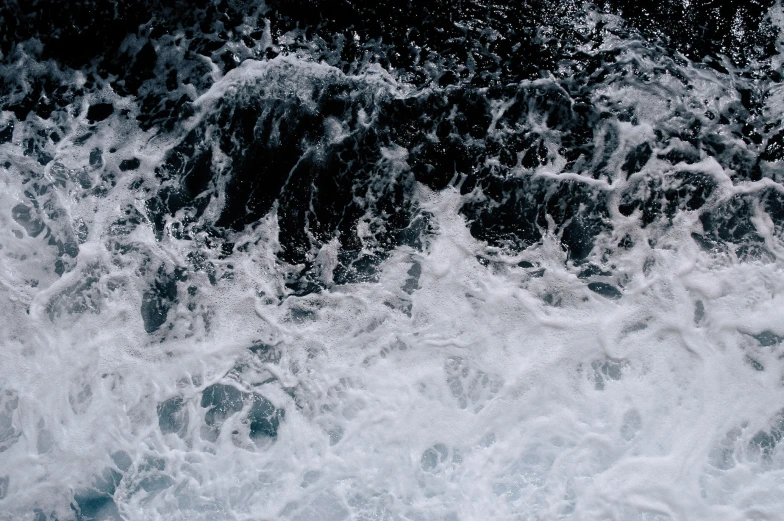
(150, 373)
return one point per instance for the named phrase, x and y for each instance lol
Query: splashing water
(299, 282)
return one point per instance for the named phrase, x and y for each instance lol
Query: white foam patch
(483, 402)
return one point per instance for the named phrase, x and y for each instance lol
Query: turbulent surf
(433, 260)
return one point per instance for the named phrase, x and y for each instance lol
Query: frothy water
(332, 293)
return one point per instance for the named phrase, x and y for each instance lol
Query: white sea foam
(485, 403)
(457, 390)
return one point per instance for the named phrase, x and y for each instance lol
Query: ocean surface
(332, 260)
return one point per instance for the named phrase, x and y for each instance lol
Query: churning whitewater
(331, 261)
